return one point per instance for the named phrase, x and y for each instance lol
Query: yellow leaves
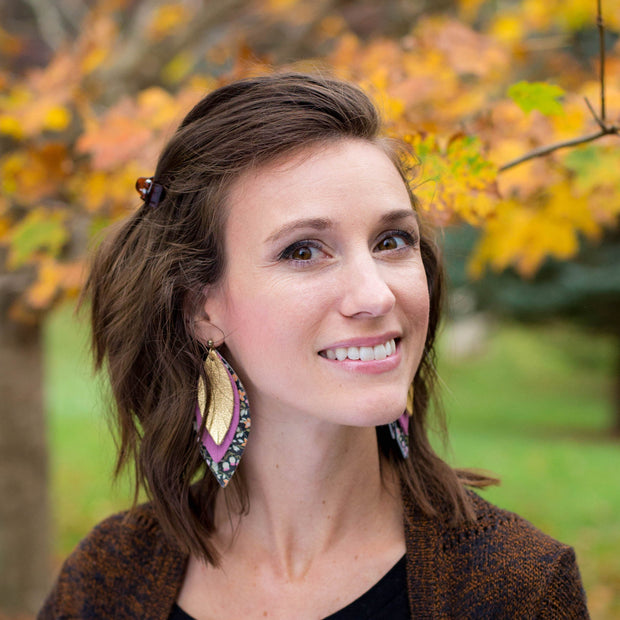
(112, 191)
(96, 44)
(57, 118)
(166, 18)
(572, 122)
(39, 103)
(469, 8)
(178, 68)
(524, 236)
(456, 178)
(11, 126)
(93, 59)
(508, 28)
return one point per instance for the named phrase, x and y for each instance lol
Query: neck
(311, 488)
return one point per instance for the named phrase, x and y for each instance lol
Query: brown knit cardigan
(499, 566)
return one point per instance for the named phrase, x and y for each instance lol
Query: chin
(377, 415)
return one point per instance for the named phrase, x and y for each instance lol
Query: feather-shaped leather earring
(399, 429)
(227, 420)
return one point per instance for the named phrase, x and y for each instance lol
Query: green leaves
(537, 96)
(39, 230)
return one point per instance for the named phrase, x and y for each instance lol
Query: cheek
(271, 318)
(416, 304)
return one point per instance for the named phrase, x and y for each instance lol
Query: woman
(276, 298)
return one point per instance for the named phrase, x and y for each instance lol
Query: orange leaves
(53, 278)
(118, 138)
(127, 132)
(34, 173)
(76, 146)
(465, 51)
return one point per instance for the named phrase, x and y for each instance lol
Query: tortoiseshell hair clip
(150, 191)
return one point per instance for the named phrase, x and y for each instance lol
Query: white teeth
(353, 353)
(341, 354)
(365, 354)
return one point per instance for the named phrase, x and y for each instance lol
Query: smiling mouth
(364, 354)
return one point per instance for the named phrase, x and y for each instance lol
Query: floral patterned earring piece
(399, 429)
(227, 419)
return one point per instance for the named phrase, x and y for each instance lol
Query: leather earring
(227, 423)
(399, 429)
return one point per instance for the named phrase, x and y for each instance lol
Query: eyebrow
(320, 223)
(314, 223)
(397, 216)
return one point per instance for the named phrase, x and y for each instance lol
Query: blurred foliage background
(512, 108)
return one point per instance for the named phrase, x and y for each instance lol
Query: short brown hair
(147, 280)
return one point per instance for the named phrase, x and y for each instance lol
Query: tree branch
(595, 116)
(601, 36)
(606, 130)
(550, 148)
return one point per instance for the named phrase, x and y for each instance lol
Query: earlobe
(207, 331)
(207, 320)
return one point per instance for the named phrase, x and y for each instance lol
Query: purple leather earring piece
(223, 458)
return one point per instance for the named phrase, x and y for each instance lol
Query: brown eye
(302, 253)
(395, 240)
(389, 243)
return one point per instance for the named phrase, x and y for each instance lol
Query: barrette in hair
(150, 191)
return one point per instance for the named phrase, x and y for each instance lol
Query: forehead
(332, 180)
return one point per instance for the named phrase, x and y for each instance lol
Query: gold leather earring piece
(226, 419)
(222, 404)
(410, 400)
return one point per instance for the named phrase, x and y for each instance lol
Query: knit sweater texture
(498, 566)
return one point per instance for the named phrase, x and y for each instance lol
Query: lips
(364, 354)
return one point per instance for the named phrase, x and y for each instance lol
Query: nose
(365, 291)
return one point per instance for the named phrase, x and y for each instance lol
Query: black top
(386, 600)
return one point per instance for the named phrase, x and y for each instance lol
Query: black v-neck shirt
(386, 600)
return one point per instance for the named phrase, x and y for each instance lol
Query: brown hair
(146, 282)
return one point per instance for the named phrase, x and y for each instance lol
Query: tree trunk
(24, 502)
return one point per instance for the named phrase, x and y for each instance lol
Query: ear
(208, 318)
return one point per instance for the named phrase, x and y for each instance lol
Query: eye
(301, 252)
(395, 240)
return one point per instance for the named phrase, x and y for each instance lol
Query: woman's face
(324, 302)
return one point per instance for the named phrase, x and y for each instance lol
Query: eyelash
(410, 240)
(287, 253)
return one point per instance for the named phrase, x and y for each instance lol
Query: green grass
(82, 449)
(533, 408)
